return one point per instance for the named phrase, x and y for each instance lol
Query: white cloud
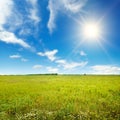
(9, 37)
(37, 66)
(15, 56)
(74, 65)
(34, 11)
(67, 6)
(73, 6)
(34, 16)
(8, 14)
(71, 65)
(25, 32)
(52, 70)
(49, 54)
(33, 2)
(82, 53)
(105, 69)
(5, 10)
(53, 11)
(24, 60)
(61, 61)
(6, 7)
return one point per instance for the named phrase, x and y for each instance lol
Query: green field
(59, 97)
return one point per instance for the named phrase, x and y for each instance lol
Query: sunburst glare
(91, 31)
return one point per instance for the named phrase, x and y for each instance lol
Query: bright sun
(91, 31)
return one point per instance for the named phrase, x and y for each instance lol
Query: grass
(59, 97)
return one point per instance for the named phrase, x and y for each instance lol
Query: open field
(59, 97)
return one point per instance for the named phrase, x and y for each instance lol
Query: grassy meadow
(59, 97)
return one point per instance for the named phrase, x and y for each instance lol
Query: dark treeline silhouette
(45, 74)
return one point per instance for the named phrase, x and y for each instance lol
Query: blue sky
(46, 36)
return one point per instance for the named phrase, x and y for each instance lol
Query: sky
(47, 36)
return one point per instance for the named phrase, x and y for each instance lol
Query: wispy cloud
(37, 66)
(52, 70)
(6, 7)
(49, 54)
(25, 31)
(73, 6)
(67, 6)
(24, 60)
(71, 65)
(5, 10)
(53, 12)
(34, 11)
(15, 56)
(9, 37)
(82, 53)
(61, 61)
(105, 69)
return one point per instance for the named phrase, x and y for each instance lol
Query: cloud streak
(24, 60)
(6, 7)
(105, 69)
(9, 37)
(34, 11)
(52, 70)
(15, 56)
(49, 54)
(37, 66)
(67, 6)
(71, 65)
(5, 10)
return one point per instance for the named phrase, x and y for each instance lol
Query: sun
(91, 31)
